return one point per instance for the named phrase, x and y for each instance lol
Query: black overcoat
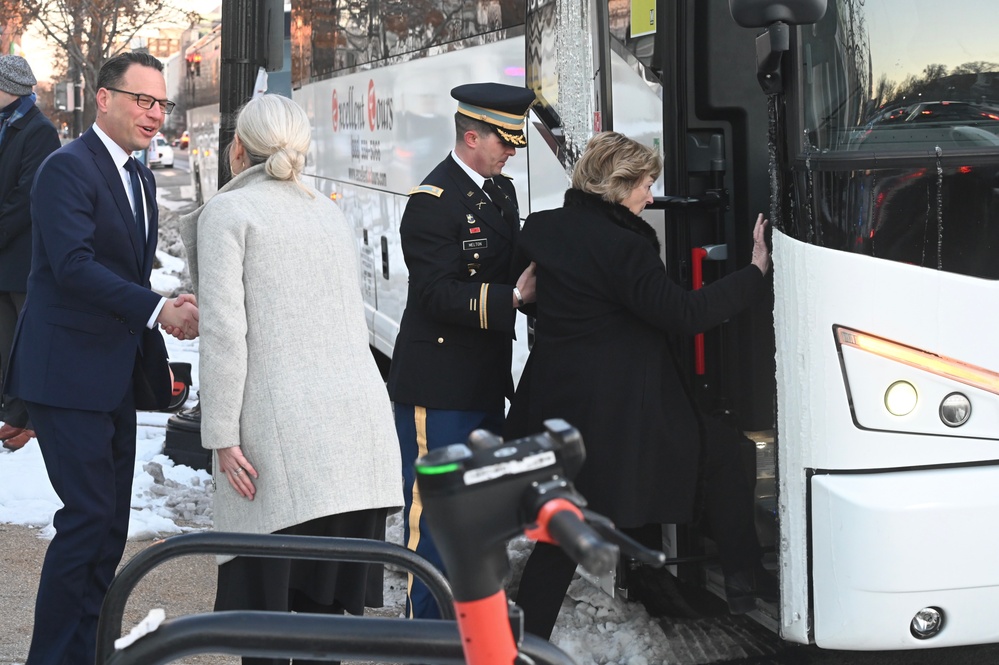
(455, 341)
(601, 359)
(26, 144)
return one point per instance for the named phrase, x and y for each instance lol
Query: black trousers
(305, 586)
(11, 303)
(726, 514)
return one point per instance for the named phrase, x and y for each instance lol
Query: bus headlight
(955, 409)
(927, 623)
(901, 398)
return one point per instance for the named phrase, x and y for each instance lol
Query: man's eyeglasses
(147, 101)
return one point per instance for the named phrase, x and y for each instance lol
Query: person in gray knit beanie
(15, 75)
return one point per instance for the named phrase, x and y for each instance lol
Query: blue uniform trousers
(421, 430)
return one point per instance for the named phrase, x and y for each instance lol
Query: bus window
(333, 35)
(898, 153)
(632, 24)
(896, 74)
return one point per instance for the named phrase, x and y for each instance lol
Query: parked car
(160, 153)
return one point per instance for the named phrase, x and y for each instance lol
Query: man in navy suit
(87, 351)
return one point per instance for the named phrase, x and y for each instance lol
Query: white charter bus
(870, 383)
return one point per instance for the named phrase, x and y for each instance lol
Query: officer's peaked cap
(504, 107)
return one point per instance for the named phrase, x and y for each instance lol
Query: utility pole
(76, 74)
(240, 60)
(248, 29)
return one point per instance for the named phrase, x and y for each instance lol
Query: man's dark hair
(463, 123)
(114, 69)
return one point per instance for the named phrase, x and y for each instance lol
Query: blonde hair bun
(275, 131)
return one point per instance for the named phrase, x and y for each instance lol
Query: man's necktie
(503, 202)
(137, 209)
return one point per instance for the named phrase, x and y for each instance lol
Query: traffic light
(62, 96)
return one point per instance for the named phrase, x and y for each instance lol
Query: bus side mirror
(762, 13)
(776, 16)
(770, 47)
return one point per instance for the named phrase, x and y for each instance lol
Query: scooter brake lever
(629, 546)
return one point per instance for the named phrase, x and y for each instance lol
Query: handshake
(179, 316)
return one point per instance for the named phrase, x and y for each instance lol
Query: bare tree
(90, 32)
(13, 17)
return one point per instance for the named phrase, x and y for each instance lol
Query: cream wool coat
(285, 368)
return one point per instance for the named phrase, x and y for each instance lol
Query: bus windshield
(896, 116)
(902, 75)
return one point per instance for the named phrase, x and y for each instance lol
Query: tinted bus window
(898, 152)
(902, 75)
(333, 35)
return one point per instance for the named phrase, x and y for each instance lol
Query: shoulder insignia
(507, 176)
(426, 189)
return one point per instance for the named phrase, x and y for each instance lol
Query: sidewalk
(182, 586)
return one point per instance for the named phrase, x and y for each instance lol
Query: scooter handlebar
(581, 543)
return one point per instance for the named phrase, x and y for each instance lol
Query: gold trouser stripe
(483, 306)
(416, 510)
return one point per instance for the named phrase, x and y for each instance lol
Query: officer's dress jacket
(454, 345)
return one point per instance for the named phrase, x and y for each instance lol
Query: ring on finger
(237, 471)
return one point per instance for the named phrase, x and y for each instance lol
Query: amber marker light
(971, 375)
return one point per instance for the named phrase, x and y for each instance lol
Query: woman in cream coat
(292, 402)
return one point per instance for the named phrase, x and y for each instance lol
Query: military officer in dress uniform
(450, 369)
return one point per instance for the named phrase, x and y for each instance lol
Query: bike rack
(313, 636)
(261, 545)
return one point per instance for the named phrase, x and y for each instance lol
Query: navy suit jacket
(82, 337)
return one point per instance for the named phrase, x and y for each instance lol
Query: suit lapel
(476, 200)
(110, 172)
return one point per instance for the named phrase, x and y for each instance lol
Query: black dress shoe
(745, 586)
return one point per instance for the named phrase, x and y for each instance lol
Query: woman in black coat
(601, 361)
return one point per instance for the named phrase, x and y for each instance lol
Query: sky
(908, 35)
(593, 627)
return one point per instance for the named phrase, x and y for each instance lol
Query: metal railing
(313, 636)
(184, 632)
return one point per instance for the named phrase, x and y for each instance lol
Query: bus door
(887, 183)
(668, 74)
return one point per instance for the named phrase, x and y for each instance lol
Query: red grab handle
(697, 255)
